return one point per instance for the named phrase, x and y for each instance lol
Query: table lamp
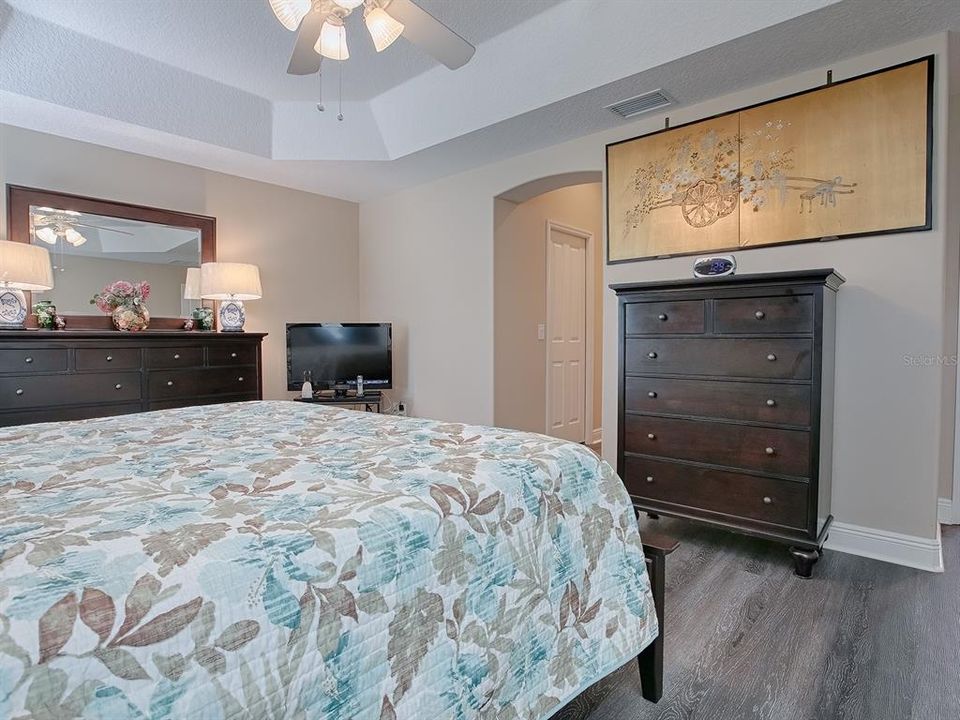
(231, 284)
(22, 267)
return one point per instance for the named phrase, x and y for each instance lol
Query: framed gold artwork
(851, 158)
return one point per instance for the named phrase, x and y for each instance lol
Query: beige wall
(305, 244)
(520, 293)
(426, 259)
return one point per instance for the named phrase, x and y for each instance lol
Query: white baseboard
(945, 514)
(596, 436)
(909, 550)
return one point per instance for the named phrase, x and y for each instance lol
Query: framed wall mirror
(95, 242)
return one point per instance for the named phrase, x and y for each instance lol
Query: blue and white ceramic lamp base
(13, 309)
(232, 316)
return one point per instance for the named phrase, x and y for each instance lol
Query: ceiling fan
(322, 34)
(50, 225)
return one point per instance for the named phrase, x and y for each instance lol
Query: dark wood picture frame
(927, 225)
(19, 200)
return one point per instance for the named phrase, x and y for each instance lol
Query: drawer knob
(28, 360)
(233, 355)
(240, 379)
(176, 356)
(769, 451)
(771, 357)
(767, 500)
(649, 478)
(651, 394)
(662, 317)
(118, 386)
(652, 355)
(759, 314)
(19, 391)
(169, 383)
(651, 436)
(109, 358)
(771, 402)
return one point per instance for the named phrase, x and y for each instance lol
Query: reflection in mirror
(90, 251)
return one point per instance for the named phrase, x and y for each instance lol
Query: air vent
(639, 104)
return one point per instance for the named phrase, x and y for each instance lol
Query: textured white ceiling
(241, 44)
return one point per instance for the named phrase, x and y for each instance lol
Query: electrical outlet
(402, 408)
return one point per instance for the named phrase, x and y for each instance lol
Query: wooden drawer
(773, 358)
(108, 358)
(173, 357)
(220, 355)
(39, 415)
(781, 314)
(17, 360)
(757, 402)
(191, 402)
(55, 390)
(171, 384)
(773, 450)
(649, 318)
(693, 489)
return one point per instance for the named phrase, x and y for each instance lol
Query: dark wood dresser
(70, 375)
(726, 403)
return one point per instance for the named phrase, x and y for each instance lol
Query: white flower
(667, 188)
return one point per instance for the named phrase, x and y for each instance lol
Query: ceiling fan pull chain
(320, 106)
(340, 82)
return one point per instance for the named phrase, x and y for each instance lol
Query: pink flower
(144, 287)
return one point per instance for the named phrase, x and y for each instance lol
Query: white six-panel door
(566, 332)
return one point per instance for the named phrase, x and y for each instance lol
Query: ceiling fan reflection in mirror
(321, 32)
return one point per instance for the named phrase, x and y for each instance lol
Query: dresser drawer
(108, 358)
(48, 414)
(235, 354)
(170, 384)
(650, 318)
(773, 450)
(39, 390)
(773, 358)
(693, 489)
(757, 402)
(780, 314)
(192, 402)
(173, 357)
(16, 360)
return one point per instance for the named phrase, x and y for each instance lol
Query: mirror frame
(19, 200)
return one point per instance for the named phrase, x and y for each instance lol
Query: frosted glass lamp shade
(47, 234)
(349, 4)
(290, 12)
(74, 238)
(333, 40)
(230, 281)
(191, 288)
(24, 266)
(383, 28)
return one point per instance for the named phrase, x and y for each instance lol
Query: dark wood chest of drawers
(726, 403)
(70, 375)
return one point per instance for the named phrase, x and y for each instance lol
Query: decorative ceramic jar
(131, 318)
(46, 313)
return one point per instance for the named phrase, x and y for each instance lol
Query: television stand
(371, 400)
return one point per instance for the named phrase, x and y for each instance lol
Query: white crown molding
(909, 550)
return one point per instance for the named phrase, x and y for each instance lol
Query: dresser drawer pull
(118, 386)
(240, 379)
(759, 314)
(771, 402)
(169, 383)
(771, 357)
(28, 360)
(662, 317)
(651, 436)
(649, 478)
(767, 500)
(769, 451)
(176, 356)
(652, 355)
(233, 355)
(651, 394)
(19, 391)
(109, 358)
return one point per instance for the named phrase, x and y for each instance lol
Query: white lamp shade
(333, 41)
(349, 4)
(290, 12)
(383, 28)
(47, 234)
(24, 266)
(230, 281)
(191, 288)
(74, 238)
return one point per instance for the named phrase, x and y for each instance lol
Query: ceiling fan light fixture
(290, 12)
(47, 235)
(348, 4)
(333, 40)
(74, 238)
(383, 28)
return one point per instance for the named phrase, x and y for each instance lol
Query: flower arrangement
(125, 301)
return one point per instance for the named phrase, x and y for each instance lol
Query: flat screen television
(335, 353)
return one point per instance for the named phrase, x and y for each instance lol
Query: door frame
(588, 333)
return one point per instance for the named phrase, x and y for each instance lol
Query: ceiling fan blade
(432, 36)
(305, 60)
(101, 227)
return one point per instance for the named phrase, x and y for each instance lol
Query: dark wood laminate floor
(862, 640)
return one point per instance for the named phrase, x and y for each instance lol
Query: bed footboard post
(655, 548)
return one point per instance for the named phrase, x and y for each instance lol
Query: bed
(280, 560)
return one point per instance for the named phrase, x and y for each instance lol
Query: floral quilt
(282, 560)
